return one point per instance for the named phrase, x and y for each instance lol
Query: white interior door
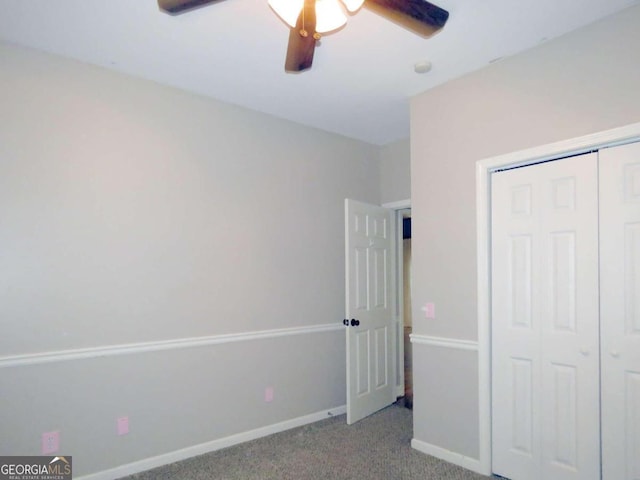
(620, 310)
(545, 338)
(369, 309)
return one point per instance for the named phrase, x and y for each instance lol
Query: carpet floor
(376, 448)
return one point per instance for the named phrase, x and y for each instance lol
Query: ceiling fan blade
(419, 16)
(302, 42)
(175, 7)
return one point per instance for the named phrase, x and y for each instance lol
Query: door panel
(563, 422)
(632, 277)
(522, 388)
(519, 285)
(382, 356)
(563, 282)
(620, 304)
(363, 362)
(368, 300)
(516, 368)
(545, 364)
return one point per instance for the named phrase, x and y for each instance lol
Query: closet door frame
(484, 168)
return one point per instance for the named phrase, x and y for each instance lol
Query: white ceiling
(362, 76)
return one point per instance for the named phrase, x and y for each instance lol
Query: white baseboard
(469, 463)
(182, 454)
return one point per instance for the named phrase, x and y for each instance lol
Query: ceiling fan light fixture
(353, 5)
(307, 19)
(287, 10)
(330, 16)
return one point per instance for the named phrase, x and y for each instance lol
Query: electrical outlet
(123, 425)
(268, 394)
(50, 442)
(429, 310)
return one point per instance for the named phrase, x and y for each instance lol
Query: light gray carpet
(376, 448)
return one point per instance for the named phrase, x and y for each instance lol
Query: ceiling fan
(308, 19)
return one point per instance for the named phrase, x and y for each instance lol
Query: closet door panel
(545, 361)
(568, 309)
(620, 310)
(516, 327)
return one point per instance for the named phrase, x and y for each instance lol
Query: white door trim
(399, 205)
(484, 168)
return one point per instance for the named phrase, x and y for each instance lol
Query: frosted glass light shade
(287, 10)
(353, 5)
(329, 13)
(329, 16)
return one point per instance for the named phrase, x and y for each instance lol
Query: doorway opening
(406, 304)
(405, 357)
(375, 302)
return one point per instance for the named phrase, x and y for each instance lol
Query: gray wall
(132, 212)
(395, 171)
(584, 82)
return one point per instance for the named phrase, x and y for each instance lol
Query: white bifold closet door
(545, 321)
(620, 311)
(565, 365)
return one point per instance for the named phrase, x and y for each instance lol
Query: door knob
(615, 353)
(345, 322)
(584, 351)
(354, 322)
